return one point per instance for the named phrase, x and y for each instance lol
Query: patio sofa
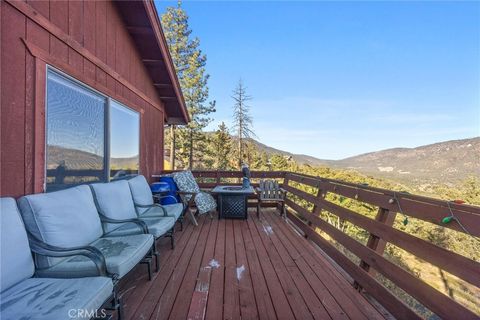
(24, 296)
(145, 206)
(69, 219)
(115, 203)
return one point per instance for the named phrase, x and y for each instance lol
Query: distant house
(86, 90)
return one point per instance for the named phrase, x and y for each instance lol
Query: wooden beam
(153, 61)
(155, 22)
(375, 242)
(163, 85)
(140, 30)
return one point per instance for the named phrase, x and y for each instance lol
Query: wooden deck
(236, 269)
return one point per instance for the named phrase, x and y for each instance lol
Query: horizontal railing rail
(311, 192)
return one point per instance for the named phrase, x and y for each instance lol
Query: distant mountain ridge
(75, 159)
(446, 162)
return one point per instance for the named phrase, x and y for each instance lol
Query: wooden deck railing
(465, 218)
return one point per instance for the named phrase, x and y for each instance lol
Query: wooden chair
(270, 191)
(191, 195)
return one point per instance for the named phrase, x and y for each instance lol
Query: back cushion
(186, 181)
(141, 192)
(114, 200)
(16, 263)
(66, 218)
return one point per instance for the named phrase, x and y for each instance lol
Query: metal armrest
(90, 252)
(138, 222)
(149, 206)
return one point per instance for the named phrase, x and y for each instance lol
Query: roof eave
(162, 42)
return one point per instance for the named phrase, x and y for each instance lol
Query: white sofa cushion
(66, 218)
(46, 298)
(141, 192)
(156, 227)
(16, 263)
(114, 200)
(121, 255)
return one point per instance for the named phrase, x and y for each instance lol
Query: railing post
(217, 177)
(374, 242)
(316, 210)
(285, 183)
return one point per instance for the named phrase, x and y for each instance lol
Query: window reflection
(124, 141)
(75, 133)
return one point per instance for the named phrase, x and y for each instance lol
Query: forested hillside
(447, 162)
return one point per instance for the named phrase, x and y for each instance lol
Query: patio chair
(69, 219)
(270, 191)
(190, 193)
(24, 296)
(145, 206)
(115, 203)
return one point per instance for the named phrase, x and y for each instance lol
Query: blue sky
(336, 79)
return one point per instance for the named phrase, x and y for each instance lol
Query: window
(124, 140)
(90, 137)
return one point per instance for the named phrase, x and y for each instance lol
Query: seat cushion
(186, 182)
(173, 210)
(121, 255)
(114, 200)
(47, 298)
(156, 227)
(141, 192)
(16, 263)
(205, 202)
(66, 218)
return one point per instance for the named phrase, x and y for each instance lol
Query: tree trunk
(190, 156)
(172, 146)
(240, 153)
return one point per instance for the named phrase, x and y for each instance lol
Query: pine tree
(190, 64)
(278, 162)
(221, 148)
(242, 120)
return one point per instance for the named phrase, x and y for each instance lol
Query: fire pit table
(232, 201)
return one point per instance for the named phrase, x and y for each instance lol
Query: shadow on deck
(232, 269)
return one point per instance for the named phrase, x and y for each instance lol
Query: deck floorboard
(237, 269)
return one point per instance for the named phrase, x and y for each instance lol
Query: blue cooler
(159, 189)
(167, 190)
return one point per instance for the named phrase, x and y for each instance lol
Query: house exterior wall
(86, 40)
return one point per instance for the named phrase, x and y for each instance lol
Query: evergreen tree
(190, 64)
(221, 145)
(242, 120)
(278, 162)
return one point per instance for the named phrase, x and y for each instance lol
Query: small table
(232, 201)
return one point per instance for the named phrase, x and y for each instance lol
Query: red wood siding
(77, 37)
